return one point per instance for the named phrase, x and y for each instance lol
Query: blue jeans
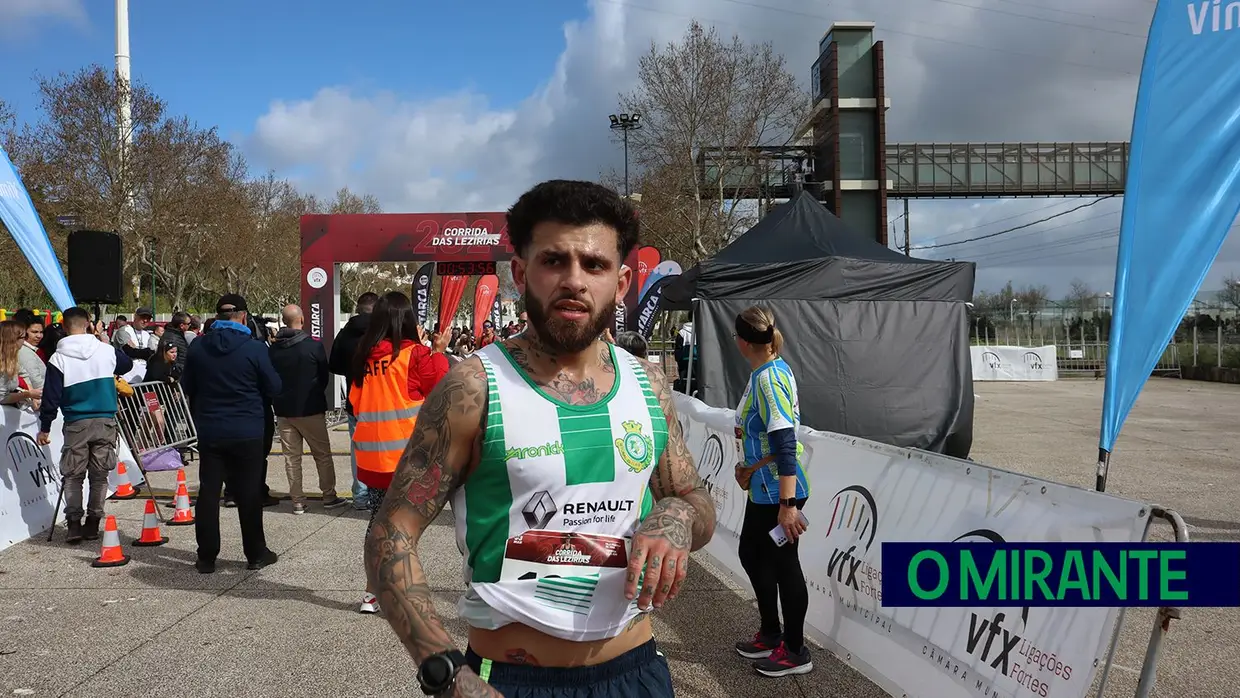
(361, 493)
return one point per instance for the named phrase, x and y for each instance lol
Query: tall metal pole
(125, 118)
(907, 243)
(627, 191)
(624, 123)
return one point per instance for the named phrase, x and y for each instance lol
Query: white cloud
(955, 73)
(18, 18)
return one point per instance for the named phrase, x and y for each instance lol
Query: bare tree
(1032, 299)
(264, 262)
(191, 206)
(1230, 295)
(72, 157)
(662, 211)
(170, 196)
(347, 201)
(984, 302)
(1081, 298)
(702, 93)
(8, 122)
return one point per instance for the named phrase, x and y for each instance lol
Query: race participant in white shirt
(575, 499)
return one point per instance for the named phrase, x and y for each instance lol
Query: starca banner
(864, 494)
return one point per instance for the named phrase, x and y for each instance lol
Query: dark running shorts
(639, 673)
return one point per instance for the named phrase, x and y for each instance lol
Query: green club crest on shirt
(636, 449)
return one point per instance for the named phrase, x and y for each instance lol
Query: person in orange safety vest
(392, 373)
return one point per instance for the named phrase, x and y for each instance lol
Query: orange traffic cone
(151, 535)
(111, 555)
(126, 489)
(183, 516)
(180, 481)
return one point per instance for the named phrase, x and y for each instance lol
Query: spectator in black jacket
(162, 368)
(301, 408)
(174, 336)
(227, 378)
(344, 346)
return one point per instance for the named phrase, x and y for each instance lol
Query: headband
(747, 332)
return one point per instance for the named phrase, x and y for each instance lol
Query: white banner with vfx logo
(863, 494)
(30, 476)
(1014, 363)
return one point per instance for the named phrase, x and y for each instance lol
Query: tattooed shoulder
(439, 450)
(654, 372)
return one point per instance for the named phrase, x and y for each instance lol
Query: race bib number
(537, 554)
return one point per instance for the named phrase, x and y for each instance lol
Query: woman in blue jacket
(766, 424)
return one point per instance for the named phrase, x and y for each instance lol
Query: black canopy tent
(879, 342)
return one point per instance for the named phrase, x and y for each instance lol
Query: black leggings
(775, 572)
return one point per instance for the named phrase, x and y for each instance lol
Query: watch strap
(789, 502)
(457, 657)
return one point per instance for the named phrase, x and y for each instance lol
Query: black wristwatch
(789, 502)
(437, 673)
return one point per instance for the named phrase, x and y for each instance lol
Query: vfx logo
(25, 454)
(854, 519)
(1033, 360)
(989, 639)
(710, 465)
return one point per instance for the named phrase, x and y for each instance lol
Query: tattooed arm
(682, 519)
(434, 464)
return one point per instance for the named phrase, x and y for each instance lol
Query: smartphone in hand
(781, 538)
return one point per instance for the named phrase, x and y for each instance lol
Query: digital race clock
(465, 268)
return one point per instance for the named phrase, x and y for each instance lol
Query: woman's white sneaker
(370, 604)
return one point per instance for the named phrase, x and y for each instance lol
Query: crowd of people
(434, 418)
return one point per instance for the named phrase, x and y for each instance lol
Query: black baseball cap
(231, 303)
(143, 312)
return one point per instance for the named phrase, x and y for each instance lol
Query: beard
(562, 336)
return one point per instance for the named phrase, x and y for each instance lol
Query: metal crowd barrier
(154, 421)
(1162, 620)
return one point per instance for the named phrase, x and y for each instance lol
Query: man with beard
(576, 501)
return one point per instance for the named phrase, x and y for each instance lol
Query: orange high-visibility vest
(385, 417)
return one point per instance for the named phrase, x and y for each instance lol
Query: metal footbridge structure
(840, 152)
(932, 170)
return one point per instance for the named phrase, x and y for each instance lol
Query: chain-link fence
(1205, 337)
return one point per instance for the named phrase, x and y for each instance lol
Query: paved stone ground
(156, 626)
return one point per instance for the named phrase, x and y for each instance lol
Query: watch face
(435, 672)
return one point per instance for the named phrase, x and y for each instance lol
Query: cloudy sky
(462, 108)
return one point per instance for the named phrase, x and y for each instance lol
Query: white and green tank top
(546, 520)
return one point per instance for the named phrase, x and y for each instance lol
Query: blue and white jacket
(80, 380)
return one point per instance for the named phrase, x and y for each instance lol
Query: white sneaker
(370, 604)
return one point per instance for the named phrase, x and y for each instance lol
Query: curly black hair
(572, 203)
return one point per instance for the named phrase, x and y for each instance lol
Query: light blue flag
(17, 212)
(1182, 193)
